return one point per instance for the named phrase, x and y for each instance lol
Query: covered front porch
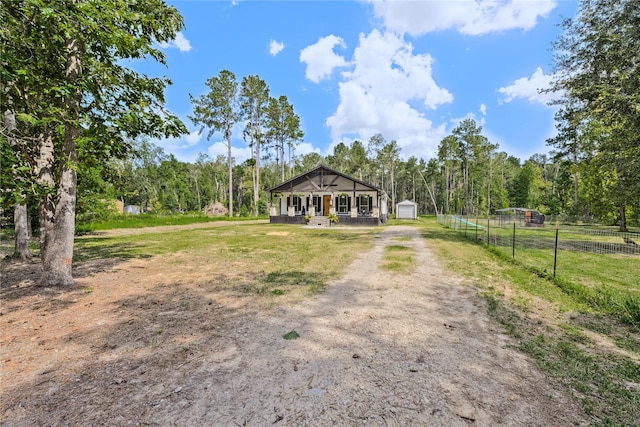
(323, 192)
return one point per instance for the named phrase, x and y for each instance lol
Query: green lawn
(153, 220)
(267, 259)
(592, 265)
(595, 298)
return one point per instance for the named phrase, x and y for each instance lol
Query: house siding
(323, 191)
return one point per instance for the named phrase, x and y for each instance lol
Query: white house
(323, 191)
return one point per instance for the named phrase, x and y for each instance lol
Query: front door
(326, 203)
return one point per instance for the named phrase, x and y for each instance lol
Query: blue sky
(410, 70)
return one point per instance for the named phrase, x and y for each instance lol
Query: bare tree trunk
(393, 191)
(413, 184)
(292, 159)
(43, 169)
(229, 161)
(57, 252)
(195, 178)
(447, 185)
(20, 219)
(433, 199)
(282, 157)
(623, 218)
(256, 181)
(21, 224)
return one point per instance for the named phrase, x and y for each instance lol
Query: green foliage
(283, 129)
(473, 171)
(218, 111)
(254, 103)
(14, 174)
(76, 103)
(526, 187)
(291, 335)
(598, 63)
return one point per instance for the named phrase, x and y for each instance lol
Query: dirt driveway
(375, 349)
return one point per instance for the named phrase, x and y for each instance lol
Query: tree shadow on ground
(91, 249)
(21, 279)
(127, 370)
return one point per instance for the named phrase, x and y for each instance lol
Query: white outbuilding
(407, 210)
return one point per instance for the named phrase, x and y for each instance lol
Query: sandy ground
(136, 343)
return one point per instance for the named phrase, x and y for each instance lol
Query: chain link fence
(543, 244)
(596, 265)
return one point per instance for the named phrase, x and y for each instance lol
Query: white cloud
(456, 121)
(220, 149)
(483, 109)
(375, 95)
(193, 138)
(321, 59)
(180, 42)
(306, 148)
(184, 142)
(275, 47)
(472, 17)
(529, 88)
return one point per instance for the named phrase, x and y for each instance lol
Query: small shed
(407, 210)
(132, 209)
(530, 217)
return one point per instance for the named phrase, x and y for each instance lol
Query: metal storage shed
(407, 210)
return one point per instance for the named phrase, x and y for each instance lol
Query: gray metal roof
(317, 176)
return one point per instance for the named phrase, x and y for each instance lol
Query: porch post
(291, 210)
(354, 203)
(332, 206)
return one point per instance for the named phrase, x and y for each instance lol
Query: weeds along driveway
(377, 348)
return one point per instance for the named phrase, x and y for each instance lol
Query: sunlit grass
(153, 220)
(263, 259)
(605, 383)
(399, 259)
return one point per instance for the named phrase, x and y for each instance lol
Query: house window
(364, 203)
(343, 204)
(296, 202)
(317, 203)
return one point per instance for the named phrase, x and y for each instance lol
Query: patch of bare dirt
(139, 342)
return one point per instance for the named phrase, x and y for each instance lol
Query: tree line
(469, 176)
(77, 124)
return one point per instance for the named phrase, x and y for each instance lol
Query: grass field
(573, 330)
(152, 220)
(593, 264)
(265, 259)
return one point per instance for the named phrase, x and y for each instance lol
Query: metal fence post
(555, 252)
(513, 242)
(466, 225)
(477, 228)
(488, 231)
